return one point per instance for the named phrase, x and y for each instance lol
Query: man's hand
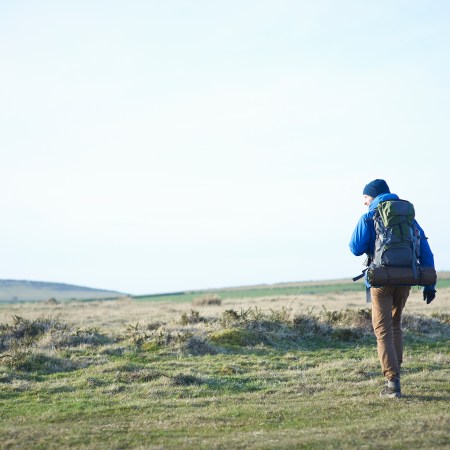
(429, 293)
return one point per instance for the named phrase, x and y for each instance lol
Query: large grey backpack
(397, 239)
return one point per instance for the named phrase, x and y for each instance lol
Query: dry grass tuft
(192, 318)
(425, 325)
(30, 345)
(52, 301)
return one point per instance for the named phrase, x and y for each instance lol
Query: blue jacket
(363, 237)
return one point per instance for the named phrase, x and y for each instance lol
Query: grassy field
(279, 370)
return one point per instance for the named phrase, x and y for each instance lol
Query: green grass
(269, 291)
(443, 283)
(245, 380)
(302, 399)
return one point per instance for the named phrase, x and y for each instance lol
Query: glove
(429, 293)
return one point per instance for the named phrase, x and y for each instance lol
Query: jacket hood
(382, 198)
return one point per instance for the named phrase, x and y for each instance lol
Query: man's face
(367, 200)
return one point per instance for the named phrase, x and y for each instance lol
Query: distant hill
(24, 290)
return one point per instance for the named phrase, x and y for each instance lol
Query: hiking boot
(392, 389)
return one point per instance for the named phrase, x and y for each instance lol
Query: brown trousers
(387, 306)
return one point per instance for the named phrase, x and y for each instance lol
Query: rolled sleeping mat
(392, 276)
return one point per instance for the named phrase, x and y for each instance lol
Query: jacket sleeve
(426, 256)
(361, 241)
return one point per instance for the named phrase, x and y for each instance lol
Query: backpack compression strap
(360, 276)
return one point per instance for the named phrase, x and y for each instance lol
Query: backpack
(397, 239)
(395, 260)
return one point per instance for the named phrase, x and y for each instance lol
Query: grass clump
(198, 345)
(26, 332)
(310, 326)
(348, 325)
(441, 317)
(32, 345)
(236, 337)
(279, 329)
(426, 325)
(361, 318)
(46, 332)
(207, 300)
(192, 318)
(181, 379)
(196, 335)
(27, 360)
(74, 337)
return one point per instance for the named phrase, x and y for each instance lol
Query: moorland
(291, 366)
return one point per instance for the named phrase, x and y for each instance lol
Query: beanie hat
(375, 188)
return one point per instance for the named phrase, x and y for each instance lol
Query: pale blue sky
(161, 146)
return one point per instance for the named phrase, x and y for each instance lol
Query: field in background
(14, 291)
(113, 314)
(265, 367)
(277, 290)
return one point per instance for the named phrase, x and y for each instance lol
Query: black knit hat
(375, 188)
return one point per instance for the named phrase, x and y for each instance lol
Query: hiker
(388, 301)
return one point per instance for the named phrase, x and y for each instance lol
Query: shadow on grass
(312, 345)
(426, 398)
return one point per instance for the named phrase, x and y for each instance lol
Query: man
(387, 301)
